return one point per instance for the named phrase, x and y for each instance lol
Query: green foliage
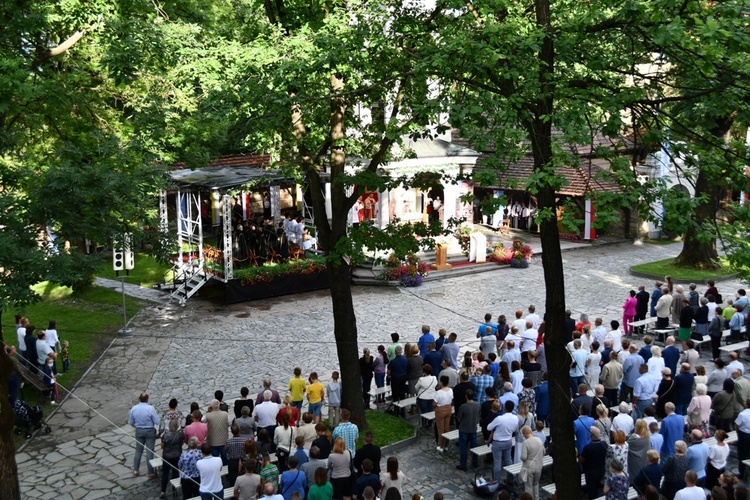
(736, 239)
(148, 271)
(387, 429)
(270, 271)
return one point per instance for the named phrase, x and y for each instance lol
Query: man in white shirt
(533, 317)
(503, 428)
(528, 339)
(623, 421)
(21, 324)
(577, 366)
(210, 472)
(265, 413)
(513, 354)
(599, 333)
(742, 426)
(270, 492)
(519, 322)
(43, 350)
(734, 364)
(690, 491)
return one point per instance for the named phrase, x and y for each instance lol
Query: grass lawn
(146, 272)
(386, 428)
(88, 321)
(665, 267)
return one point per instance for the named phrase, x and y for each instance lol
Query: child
(333, 393)
(64, 356)
(49, 379)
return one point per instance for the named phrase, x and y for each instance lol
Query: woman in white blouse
(443, 402)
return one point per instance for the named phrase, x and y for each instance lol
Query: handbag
(695, 419)
(524, 474)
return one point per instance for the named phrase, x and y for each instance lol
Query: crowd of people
(631, 400)
(641, 412)
(38, 351)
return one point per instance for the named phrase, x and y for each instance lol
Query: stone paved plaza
(190, 352)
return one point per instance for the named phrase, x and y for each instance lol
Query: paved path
(190, 352)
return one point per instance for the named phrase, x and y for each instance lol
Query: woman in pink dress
(628, 312)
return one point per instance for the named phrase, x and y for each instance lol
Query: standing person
(21, 324)
(582, 427)
(235, 452)
(246, 486)
(217, 422)
(716, 378)
(650, 474)
(630, 373)
(189, 475)
(641, 307)
(209, 468)
(468, 418)
(593, 367)
(610, 376)
(171, 445)
(671, 355)
(425, 388)
(722, 405)
(450, 350)
(501, 438)
(397, 372)
(379, 365)
(638, 444)
(414, 364)
(677, 303)
(348, 431)
(663, 309)
(712, 290)
(629, 312)
(643, 391)
(391, 350)
(30, 351)
(541, 396)
(618, 482)
(333, 393)
(674, 469)
(742, 426)
(143, 418)
(53, 341)
(699, 410)
(292, 480)
(369, 451)
(394, 478)
(314, 393)
(655, 296)
(366, 371)
(702, 317)
(715, 331)
(442, 404)
(297, 389)
(593, 460)
(532, 457)
(684, 382)
(672, 429)
(243, 402)
(577, 366)
(691, 491)
(424, 340)
(717, 460)
(283, 438)
(339, 463)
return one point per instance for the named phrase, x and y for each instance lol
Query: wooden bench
(515, 469)
(646, 323)
(552, 488)
(228, 494)
(735, 347)
(707, 338)
(32, 378)
(405, 403)
(632, 494)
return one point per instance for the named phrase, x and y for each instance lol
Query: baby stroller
(28, 417)
(486, 486)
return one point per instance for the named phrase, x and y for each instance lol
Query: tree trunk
(8, 468)
(345, 331)
(697, 252)
(567, 473)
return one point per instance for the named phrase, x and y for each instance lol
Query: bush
(269, 272)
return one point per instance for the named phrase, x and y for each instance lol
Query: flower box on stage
(239, 291)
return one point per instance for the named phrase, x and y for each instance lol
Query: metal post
(125, 330)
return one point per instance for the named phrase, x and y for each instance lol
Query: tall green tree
(329, 88)
(542, 78)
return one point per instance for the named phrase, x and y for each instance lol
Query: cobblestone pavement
(190, 352)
